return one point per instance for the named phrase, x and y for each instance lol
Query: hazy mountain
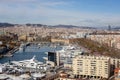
(65, 26)
(41, 25)
(73, 26)
(38, 25)
(6, 25)
(116, 28)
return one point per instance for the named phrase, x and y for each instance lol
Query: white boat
(8, 55)
(66, 48)
(39, 44)
(25, 76)
(37, 75)
(46, 53)
(45, 58)
(32, 64)
(62, 50)
(3, 77)
(13, 77)
(69, 47)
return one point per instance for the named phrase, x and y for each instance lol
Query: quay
(10, 53)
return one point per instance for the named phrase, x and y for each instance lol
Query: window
(32, 64)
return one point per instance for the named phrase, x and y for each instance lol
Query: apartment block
(111, 39)
(91, 66)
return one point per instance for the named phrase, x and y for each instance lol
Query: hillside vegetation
(97, 48)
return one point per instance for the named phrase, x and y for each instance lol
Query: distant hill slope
(6, 25)
(37, 25)
(116, 28)
(41, 25)
(73, 26)
(65, 26)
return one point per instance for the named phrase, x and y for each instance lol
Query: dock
(11, 52)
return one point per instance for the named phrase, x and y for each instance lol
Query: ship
(31, 64)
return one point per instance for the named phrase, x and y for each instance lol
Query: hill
(42, 25)
(97, 48)
(6, 25)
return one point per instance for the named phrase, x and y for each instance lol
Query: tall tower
(58, 58)
(109, 28)
(54, 57)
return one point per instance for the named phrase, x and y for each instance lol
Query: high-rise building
(109, 27)
(91, 66)
(54, 58)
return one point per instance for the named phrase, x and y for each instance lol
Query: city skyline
(52, 12)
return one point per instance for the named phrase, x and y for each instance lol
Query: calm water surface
(29, 52)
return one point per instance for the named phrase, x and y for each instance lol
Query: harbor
(29, 52)
(40, 62)
(27, 63)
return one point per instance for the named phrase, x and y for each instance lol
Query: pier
(10, 53)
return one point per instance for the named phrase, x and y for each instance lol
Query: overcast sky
(52, 12)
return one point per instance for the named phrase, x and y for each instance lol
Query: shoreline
(9, 53)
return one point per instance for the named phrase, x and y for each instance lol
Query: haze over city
(96, 13)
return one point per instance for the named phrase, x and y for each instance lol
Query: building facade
(91, 66)
(65, 41)
(111, 39)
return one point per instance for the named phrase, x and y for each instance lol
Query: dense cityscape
(85, 54)
(59, 40)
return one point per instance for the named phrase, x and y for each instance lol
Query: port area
(11, 52)
(9, 71)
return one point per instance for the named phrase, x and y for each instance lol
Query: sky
(95, 13)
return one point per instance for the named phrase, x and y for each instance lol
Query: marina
(38, 61)
(29, 52)
(27, 64)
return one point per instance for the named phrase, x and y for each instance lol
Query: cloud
(46, 12)
(36, 2)
(11, 1)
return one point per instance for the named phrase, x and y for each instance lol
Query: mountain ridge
(5, 24)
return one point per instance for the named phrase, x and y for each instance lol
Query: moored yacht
(38, 76)
(31, 64)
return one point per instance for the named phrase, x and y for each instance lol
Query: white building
(82, 34)
(2, 68)
(91, 66)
